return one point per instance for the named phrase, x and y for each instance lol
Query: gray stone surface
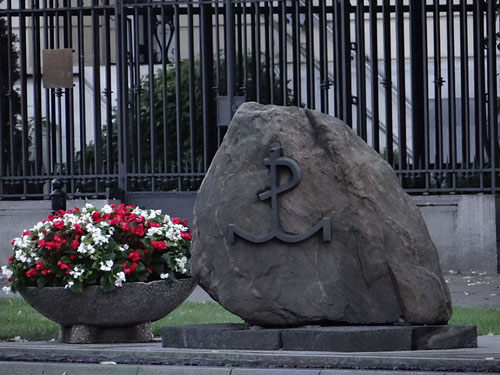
(324, 339)
(484, 359)
(380, 266)
(444, 337)
(221, 336)
(83, 334)
(131, 304)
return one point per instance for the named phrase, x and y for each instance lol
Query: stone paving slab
(314, 338)
(484, 359)
(30, 368)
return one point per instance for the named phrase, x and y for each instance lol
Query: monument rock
(299, 222)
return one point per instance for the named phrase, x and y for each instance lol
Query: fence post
(417, 64)
(57, 196)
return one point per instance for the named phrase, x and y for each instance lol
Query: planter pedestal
(84, 334)
(123, 315)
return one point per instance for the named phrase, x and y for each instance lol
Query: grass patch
(196, 313)
(487, 320)
(18, 319)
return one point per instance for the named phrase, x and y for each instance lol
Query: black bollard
(57, 196)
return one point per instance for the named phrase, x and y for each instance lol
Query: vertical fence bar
(479, 90)
(345, 61)
(151, 21)
(297, 84)
(192, 99)
(108, 92)
(207, 61)
(401, 99)
(282, 35)
(323, 57)
(178, 88)
(374, 75)
(122, 94)
(69, 105)
(311, 91)
(81, 89)
(37, 90)
(492, 90)
(452, 116)
(438, 83)
(387, 83)
(360, 69)
(464, 88)
(96, 47)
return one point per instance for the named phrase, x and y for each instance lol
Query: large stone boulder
(380, 265)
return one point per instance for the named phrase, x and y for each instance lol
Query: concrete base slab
(29, 357)
(329, 339)
(28, 368)
(84, 334)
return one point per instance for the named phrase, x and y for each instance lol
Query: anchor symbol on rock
(277, 159)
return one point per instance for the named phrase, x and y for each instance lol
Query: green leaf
(106, 284)
(77, 286)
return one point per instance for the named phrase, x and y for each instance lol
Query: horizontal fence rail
(152, 85)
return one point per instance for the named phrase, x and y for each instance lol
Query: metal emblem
(276, 159)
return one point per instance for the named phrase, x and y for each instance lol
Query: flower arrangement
(108, 247)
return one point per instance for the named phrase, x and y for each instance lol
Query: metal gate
(153, 85)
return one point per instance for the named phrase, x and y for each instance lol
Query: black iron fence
(153, 84)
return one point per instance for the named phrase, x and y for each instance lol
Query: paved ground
(55, 358)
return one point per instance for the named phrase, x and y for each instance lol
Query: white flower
(69, 285)
(76, 272)
(152, 231)
(164, 275)
(6, 272)
(7, 290)
(107, 209)
(86, 248)
(106, 266)
(120, 278)
(181, 264)
(21, 256)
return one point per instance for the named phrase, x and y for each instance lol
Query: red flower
(11, 259)
(158, 245)
(153, 225)
(176, 220)
(139, 230)
(187, 236)
(134, 256)
(78, 229)
(97, 217)
(31, 272)
(59, 224)
(185, 222)
(129, 270)
(51, 218)
(149, 270)
(64, 266)
(74, 244)
(26, 233)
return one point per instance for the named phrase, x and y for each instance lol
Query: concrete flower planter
(123, 315)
